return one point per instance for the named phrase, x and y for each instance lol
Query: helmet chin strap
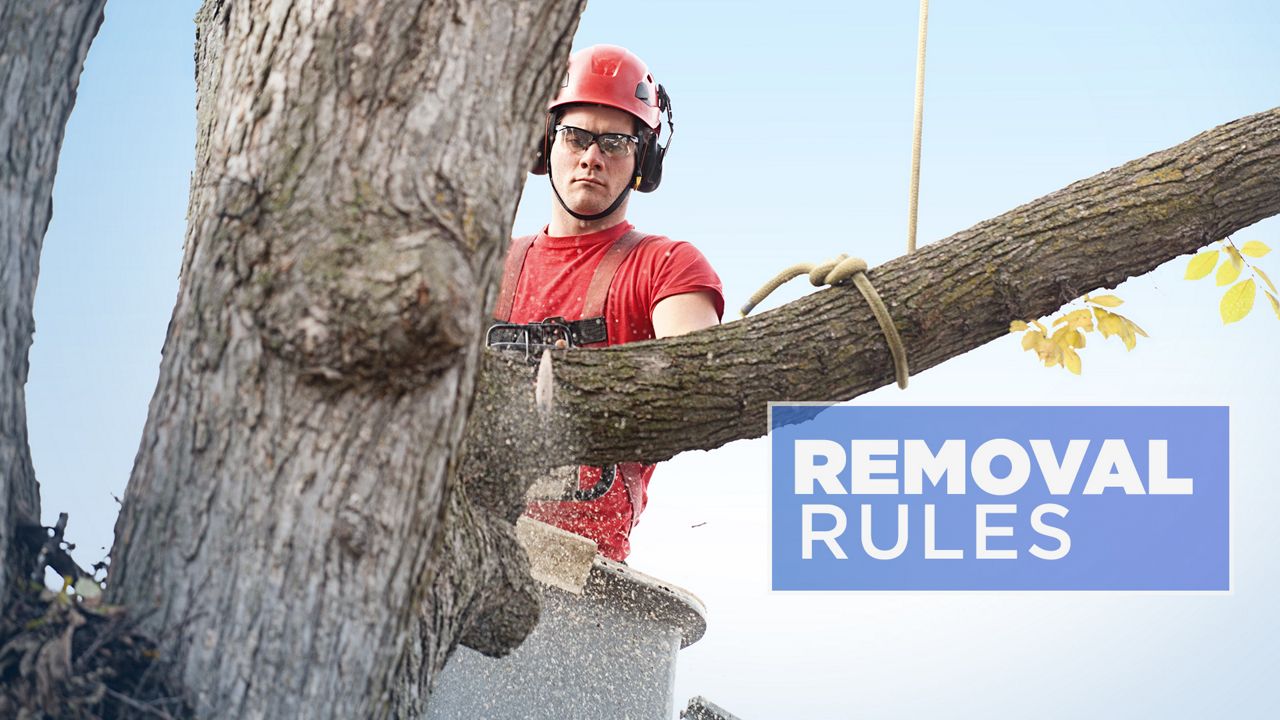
(588, 218)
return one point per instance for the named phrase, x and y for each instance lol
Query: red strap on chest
(598, 291)
(592, 306)
(511, 276)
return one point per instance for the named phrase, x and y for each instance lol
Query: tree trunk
(293, 515)
(650, 401)
(42, 50)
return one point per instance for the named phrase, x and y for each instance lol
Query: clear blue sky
(793, 144)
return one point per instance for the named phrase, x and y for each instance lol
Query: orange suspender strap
(511, 276)
(598, 290)
(593, 306)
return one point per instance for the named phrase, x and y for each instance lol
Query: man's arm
(684, 313)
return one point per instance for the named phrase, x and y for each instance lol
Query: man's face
(589, 181)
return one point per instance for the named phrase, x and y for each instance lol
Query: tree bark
(650, 401)
(294, 515)
(42, 50)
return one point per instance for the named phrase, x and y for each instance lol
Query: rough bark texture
(42, 50)
(293, 513)
(650, 401)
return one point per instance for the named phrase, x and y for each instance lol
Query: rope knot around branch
(837, 270)
(841, 270)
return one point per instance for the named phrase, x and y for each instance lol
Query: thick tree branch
(649, 401)
(42, 50)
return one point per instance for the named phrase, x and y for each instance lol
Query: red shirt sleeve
(683, 269)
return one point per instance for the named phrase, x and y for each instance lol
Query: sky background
(792, 144)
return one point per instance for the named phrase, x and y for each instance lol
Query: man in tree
(601, 281)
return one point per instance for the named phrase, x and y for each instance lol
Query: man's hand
(684, 313)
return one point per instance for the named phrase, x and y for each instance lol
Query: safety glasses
(613, 145)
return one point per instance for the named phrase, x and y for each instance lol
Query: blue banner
(1000, 498)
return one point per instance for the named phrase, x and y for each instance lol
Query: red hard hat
(610, 75)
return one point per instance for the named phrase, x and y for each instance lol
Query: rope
(839, 271)
(843, 268)
(915, 141)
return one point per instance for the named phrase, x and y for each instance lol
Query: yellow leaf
(1106, 301)
(1082, 318)
(1017, 326)
(1049, 351)
(1275, 304)
(1234, 254)
(1108, 323)
(1266, 279)
(1126, 334)
(88, 589)
(1031, 339)
(1071, 360)
(1255, 249)
(1040, 327)
(1201, 265)
(1132, 325)
(1238, 301)
(1068, 337)
(1227, 273)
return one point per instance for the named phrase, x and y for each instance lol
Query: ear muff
(544, 150)
(649, 168)
(652, 154)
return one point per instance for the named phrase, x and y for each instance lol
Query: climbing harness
(844, 269)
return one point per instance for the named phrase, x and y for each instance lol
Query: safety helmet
(613, 76)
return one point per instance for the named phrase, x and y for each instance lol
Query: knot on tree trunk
(358, 304)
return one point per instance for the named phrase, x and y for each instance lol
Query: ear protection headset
(649, 167)
(649, 153)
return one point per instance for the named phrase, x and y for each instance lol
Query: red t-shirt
(554, 281)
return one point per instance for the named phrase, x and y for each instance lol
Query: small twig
(118, 627)
(121, 697)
